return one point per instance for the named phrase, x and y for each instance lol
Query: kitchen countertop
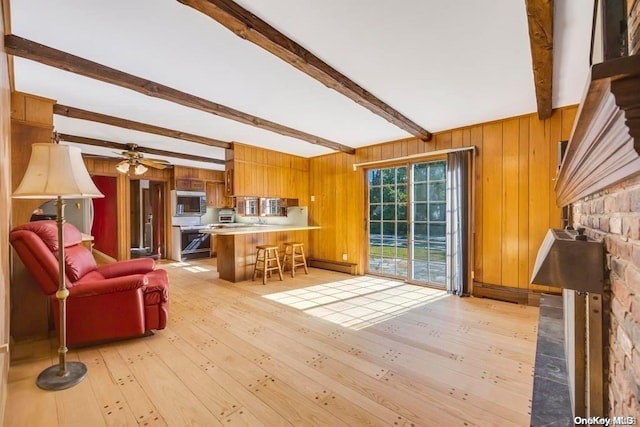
(250, 229)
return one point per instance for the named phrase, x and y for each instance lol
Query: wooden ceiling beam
(540, 19)
(78, 113)
(124, 147)
(18, 46)
(250, 27)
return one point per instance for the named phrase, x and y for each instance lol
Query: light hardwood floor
(320, 349)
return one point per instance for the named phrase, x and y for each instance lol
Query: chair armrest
(108, 286)
(127, 267)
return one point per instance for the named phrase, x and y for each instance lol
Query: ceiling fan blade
(151, 163)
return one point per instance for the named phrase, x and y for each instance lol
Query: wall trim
(504, 293)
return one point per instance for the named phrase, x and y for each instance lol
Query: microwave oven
(188, 203)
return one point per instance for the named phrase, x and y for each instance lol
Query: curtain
(458, 214)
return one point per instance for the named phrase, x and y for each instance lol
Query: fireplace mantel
(605, 141)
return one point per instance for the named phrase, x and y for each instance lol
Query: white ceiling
(443, 64)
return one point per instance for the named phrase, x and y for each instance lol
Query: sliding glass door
(407, 222)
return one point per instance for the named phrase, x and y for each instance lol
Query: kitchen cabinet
(216, 195)
(190, 184)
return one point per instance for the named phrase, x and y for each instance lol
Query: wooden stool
(293, 252)
(267, 261)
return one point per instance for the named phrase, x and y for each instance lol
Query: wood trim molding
(504, 293)
(250, 27)
(605, 142)
(78, 113)
(28, 49)
(540, 20)
(118, 146)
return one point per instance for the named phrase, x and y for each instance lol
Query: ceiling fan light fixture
(123, 167)
(140, 169)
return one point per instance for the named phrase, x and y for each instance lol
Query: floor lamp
(58, 172)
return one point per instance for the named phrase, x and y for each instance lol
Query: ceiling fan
(136, 159)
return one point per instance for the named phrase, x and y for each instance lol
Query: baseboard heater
(340, 266)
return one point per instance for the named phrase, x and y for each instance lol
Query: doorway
(147, 219)
(407, 222)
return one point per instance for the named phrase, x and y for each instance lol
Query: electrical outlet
(313, 198)
(344, 256)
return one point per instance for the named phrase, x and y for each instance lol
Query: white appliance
(188, 203)
(226, 215)
(78, 212)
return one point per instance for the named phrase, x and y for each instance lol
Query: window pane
(437, 170)
(374, 229)
(374, 195)
(437, 211)
(389, 229)
(401, 175)
(437, 232)
(374, 212)
(420, 172)
(401, 192)
(402, 232)
(420, 192)
(420, 231)
(388, 194)
(437, 191)
(419, 211)
(389, 212)
(374, 177)
(389, 176)
(402, 212)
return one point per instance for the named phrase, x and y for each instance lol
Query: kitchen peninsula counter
(236, 245)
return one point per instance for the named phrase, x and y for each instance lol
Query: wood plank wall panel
(5, 215)
(523, 204)
(510, 194)
(492, 203)
(513, 206)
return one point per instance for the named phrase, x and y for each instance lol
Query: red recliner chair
(119, 300)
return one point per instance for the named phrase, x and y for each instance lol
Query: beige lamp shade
(56, 170)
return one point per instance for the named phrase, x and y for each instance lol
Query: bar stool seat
(267, 260)
(294, 256)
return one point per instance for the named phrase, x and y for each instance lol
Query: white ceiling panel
(443, 64)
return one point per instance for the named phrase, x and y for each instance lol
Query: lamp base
(50, 380)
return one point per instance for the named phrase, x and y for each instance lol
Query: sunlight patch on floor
(188, 267)
(358, 303)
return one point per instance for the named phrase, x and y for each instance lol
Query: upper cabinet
(253, 171)
(190, 184)
(216, 195)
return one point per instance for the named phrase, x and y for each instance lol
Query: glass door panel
(387, 222)
(428, 223)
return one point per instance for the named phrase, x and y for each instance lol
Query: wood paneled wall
(31, 122)
(338, 200)
(515, 166)
(261, 172)
(5, 214)
(193, 173)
